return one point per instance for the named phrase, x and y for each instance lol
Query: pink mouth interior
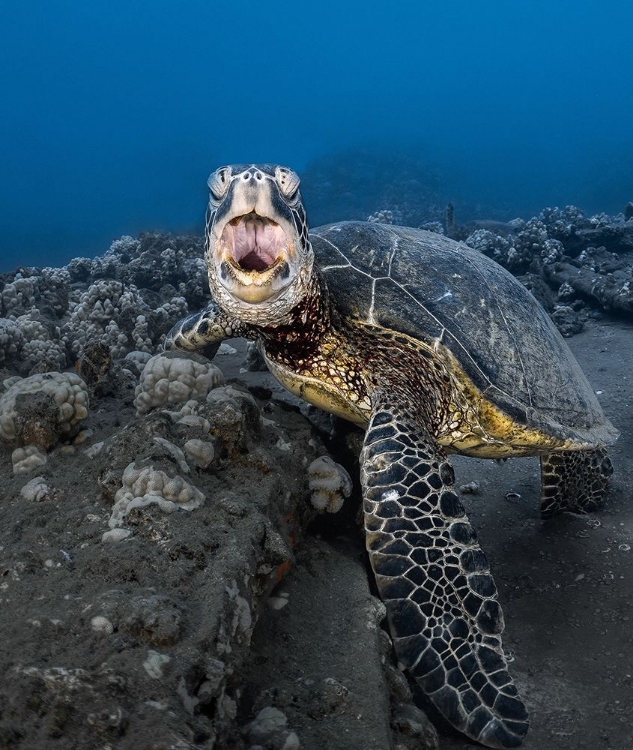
(254, 242)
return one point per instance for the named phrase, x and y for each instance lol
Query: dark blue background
(114, 113)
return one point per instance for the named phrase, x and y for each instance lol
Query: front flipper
(203, 332)
(435, 580)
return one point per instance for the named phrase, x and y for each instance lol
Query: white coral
(174, 380)
(11, 339)
(102, 301)
(234, 396)
(41, 346)
(140, 335)
(26, 459)
(381, 217)
(173, 309)
(136, 360)
(330, 484)
(19, 294)
(55, 276)
(201, 452)
(97, 313)
(125, 244)
(148, 486)
(67, 390)
(36, 489)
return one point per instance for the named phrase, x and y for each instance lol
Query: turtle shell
(439, 291)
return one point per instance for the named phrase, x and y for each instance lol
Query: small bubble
(624, 547)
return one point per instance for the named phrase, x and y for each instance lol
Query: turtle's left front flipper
(435, 580)
(203, 332)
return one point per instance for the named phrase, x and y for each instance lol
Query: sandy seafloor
(565, 585)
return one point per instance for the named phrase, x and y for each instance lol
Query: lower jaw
(258, 306)
(252, 287)
(253, 294)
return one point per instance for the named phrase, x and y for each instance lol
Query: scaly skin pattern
(203, 332)
(574, 481)
(433, 577)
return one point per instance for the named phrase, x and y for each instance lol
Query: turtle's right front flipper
(203, 332)
(435, 581)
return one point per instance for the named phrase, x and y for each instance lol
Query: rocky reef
(140, 536)
(151, 502)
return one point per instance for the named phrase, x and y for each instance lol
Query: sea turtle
(433, 348)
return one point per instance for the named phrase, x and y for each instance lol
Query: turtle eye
(218, 183)
(287, 180)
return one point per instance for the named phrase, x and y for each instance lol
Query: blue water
(113, 113)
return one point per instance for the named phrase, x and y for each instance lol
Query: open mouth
(253, 243)
(254, 256)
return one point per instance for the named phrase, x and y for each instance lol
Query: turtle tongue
(255, 242)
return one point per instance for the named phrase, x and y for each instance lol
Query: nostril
(258, 176)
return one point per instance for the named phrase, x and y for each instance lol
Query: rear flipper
(435, 581)
(574, 481)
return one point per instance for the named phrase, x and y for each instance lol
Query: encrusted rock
(232, 415)
(567, 320)
(254, 362)
(415, 731)
(95, 362)
(155, 618)
(42, 408)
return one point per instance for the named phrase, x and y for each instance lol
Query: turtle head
(258, 255)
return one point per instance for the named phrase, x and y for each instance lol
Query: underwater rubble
(149, 504)
(138, 540)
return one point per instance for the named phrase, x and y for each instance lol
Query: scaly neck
(306, 323)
